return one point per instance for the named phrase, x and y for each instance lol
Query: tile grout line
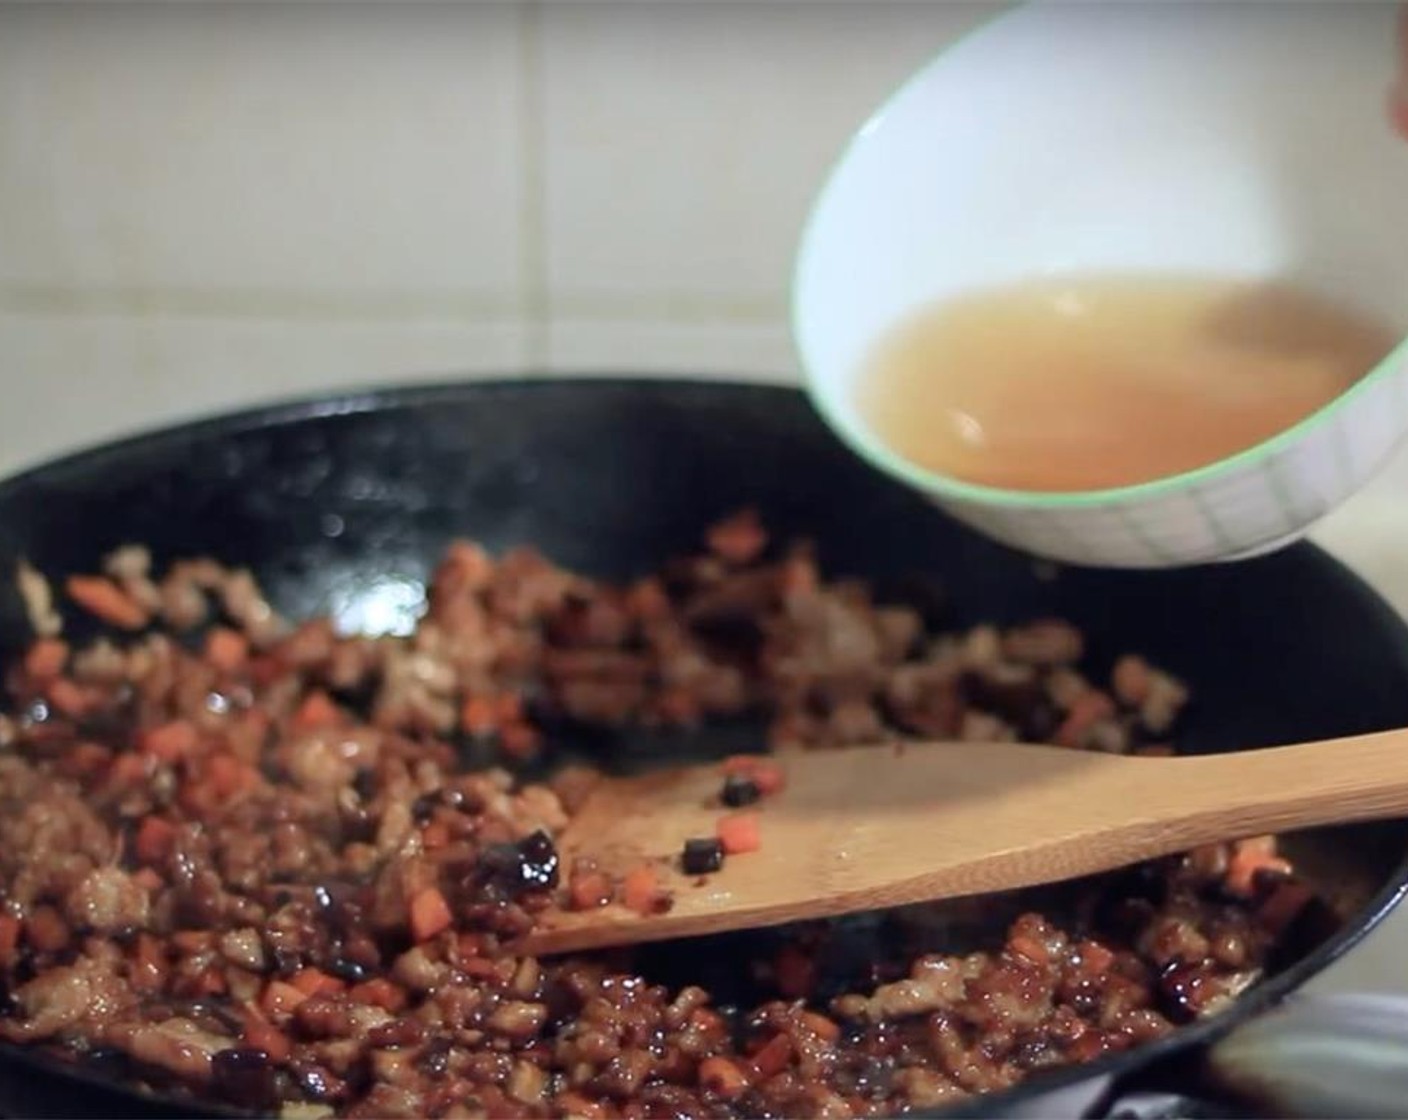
(270, 304)
(532, 131)
(450, 307)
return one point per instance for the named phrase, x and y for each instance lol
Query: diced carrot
(1130, 680)
(109, 602)
(763, 772)
(574, 1104)
(435, 834)
(787, 731)
(130, 769)
(223, 774)
(211, 982)
(280, 998)
(647, 600)
(70, 699)
(706, 1021)
(155, 837)
(380, 992)
(773, 1057)
(430, 914)
(317, 710)
(170, 742)
(800, 579)
(46, 658)
(149, 949)
(265, 669)
(1096, 957)
(739, 833)
(1089, 707)
(47, 931)
(260, 1034)
(590, 890)
(640, 891)
(508, 706)
(226, 649)
(9, 938)
(722, 1078)
(1030, 948)
(1250, 858)
(316, 982)
(247, 734)
(824, 1028)
(468, 945)
(227, 776)
(466, 566)
(520, 740)
(1257, 847)
(86, 758)
(198, 798)
(769, 777)
(1088, 1045)
(478, 716)
(148, 879)
(481, 968)
(249, 776)
(677, 706)
(738, 539)
(192, 941)
(741, 765)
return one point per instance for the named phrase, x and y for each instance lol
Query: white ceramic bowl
(1241, 140)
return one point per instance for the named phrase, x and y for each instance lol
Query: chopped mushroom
(257, 861)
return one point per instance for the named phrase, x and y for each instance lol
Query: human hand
(1398, 94)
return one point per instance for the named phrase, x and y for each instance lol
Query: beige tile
(162, 153)
(683, 142)
(68, 381)
(735, 351)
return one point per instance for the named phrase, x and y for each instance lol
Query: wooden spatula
(875, 827)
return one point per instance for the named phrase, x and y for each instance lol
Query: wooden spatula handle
(876, 827)
(1247, 793)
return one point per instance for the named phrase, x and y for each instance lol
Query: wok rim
(304, 408)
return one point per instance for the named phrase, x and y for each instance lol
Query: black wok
(344, 504)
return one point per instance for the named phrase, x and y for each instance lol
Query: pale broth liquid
(1090, 382)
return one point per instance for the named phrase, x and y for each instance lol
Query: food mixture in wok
(248, 859)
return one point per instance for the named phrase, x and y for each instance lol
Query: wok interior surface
(344, 507)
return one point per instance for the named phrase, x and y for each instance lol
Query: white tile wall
(363, 157)
(755, 351)
(215, 203)
(205, 205)
(70, 379)
(683, 142)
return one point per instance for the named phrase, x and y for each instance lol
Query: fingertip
(1398, 109)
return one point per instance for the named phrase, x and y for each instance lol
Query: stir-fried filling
(248, 859)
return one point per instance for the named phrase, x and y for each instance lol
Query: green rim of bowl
(860, 440)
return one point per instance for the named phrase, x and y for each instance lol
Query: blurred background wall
(208, 204)
(205, 204)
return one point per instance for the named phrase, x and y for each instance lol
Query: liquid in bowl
(1088, 382)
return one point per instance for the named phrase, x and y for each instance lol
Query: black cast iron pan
(345, 504)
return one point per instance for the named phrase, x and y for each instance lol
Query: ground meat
(254, 861)
(107, 900)
(38, 599)
(61, 999)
